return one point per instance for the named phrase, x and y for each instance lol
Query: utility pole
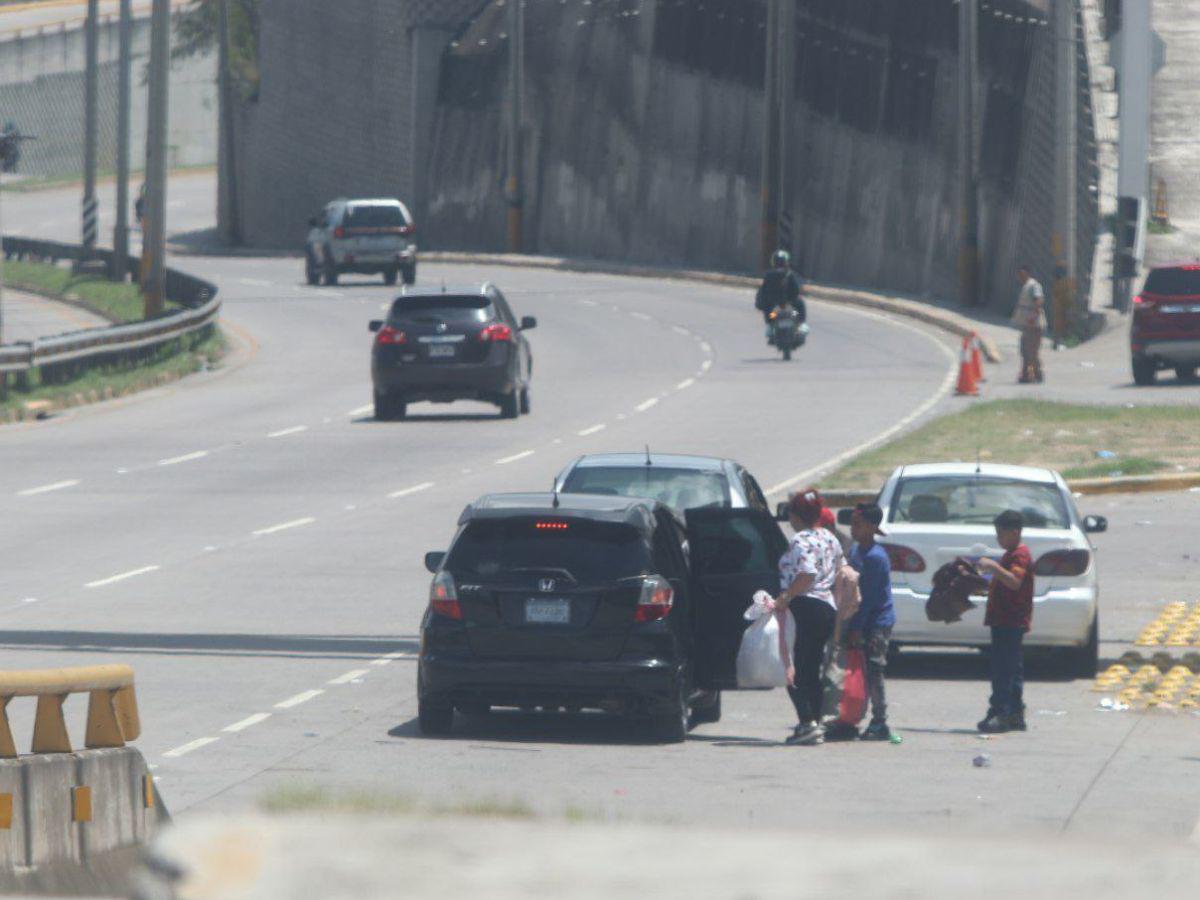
(90, 126)
(154, 232)
(229, 184)
(124, 99)
(968, 240)
(514, 190)
(1066, 71)
(787, 91)
(770, 147)
(1135, 78)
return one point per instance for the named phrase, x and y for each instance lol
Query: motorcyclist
(780, 287)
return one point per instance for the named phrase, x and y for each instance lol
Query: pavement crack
(1100, 774)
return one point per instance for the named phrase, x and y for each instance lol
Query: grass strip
(119, 301)
(1075, 439)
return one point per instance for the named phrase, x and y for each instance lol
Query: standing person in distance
(871, 627)
(806, 575)
(1009, 615)
(1030, 317)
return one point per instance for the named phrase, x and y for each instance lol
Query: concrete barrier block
(118, 815)
(12, 839)
(46, 806)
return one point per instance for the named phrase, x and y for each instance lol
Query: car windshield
(374, 217)
(680, 488)
(977, 500)
(591, 552)
(442, 309)
(1181, 281)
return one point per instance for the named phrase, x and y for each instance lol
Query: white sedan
(935, 513)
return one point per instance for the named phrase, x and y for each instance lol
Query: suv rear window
(592, 552)
(976, 500)
(442, 308)
(374, 217)
(1181, 281)
(681, 488)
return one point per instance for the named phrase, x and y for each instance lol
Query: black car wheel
(510, 406)
(434, 720)
(671, 726)
(1185, 373)
(524, 401)
(1143, 371)
(311, 274)
(388, 408)
(410, 274)
(708, 710)
(389, 276)
(1083, 662)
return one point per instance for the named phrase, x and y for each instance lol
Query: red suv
(1165, 333)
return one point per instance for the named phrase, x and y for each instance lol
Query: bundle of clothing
(953, 585)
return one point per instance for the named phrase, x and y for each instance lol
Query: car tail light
(443, 596)
(1142, 303)
(656, 599)
(904, 559)
(339, 232)
(408, 229)
(389, 335)
(1065, 563)
(498, 332)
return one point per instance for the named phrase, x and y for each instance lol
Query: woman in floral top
(806, 575)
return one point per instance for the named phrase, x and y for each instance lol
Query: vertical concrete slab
(46, 807)
(118, 815)
(12, 839)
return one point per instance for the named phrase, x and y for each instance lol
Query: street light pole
(229, 184)
(968, 247)
(514, 190)
(154, 233)
(787, 90)
(90, 125)
(770, 149)
(124, 99)
(1066, 72)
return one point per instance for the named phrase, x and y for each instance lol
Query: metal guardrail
(112, 717)
(197, 297)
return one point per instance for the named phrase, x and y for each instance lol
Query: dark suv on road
(1165, 331)
(574, 601)
(443, 345)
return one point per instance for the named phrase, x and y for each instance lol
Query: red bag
(853, 705)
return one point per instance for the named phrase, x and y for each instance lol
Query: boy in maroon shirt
(1009, 614)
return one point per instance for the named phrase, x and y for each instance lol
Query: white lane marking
(706, 365)
(706, 346)
(524, 454)
(284, 432)
(646, 404)
(246, 722)
(298, 699)
(386, 659)
(642, 316)
(254, 282)
(361, 411)
(190, 746)
(589, 302)
(144, 570)
(47, 488)
(349, 676)
(945, 388)
(187, 457)
(415, 489)
(592, 430)
(284, 526)
(685, 384)
(30, 600)
(679, 329)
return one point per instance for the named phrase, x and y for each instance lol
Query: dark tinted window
(723, 546)
(977, 500)
(680, 488)
(592, 552)
(442, 309)
(1181, 281)
(374, 217)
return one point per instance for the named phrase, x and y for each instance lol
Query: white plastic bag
(762, 659)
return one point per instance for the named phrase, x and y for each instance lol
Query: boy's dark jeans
(1008, 671)
(875, 649)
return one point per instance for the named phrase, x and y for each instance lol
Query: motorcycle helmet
(781, 259)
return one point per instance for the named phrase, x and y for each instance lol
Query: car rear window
(1180, 281)
(374, 217)
(680, 488)
(591, 552)
(442, 308)
(977, 500)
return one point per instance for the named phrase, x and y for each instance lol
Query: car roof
(372, 201)
(674, 460)
(447, 290)
(992, 470)
(633, 511)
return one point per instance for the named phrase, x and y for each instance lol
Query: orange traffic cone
(967, 385)
(977, 358)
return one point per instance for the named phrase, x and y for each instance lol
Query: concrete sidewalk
(29, 316)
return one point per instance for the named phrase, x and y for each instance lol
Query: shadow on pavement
(430, 417)
(968, 666)
(305, 646)
(506, 726)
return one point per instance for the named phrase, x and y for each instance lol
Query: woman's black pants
(814, 628)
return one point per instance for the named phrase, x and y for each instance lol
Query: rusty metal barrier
(112, 717)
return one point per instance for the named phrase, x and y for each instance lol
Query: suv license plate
(441, 351)
(548, 612)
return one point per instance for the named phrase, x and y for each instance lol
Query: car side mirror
(845, 517)
(528, 322)
(434, 560)
(1095, 524)
(374, 324)
(781, 512)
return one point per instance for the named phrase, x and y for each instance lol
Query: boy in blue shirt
(871, 626)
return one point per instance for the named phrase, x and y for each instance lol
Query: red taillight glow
(408, 229)
(904, 559)
(496, 332)
(389, 335)
(339, 232)
(656, 599)
(551, 526)
(1142, 303)
(443, 596)
(1064, 563)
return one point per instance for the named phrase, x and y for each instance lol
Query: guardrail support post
(8, 747)
(103, 727)
(49, 726)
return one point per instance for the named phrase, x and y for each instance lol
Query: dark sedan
(442, 345)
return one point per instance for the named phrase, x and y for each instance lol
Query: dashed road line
(190, 746)
(284, 526)
(284, 432)
(706, 365)
(685, 384)
(642, 316)
(646, 404)
(388, 658)
(706, 346)
(246, 723)
(298, 699)
(524, 454)
(48, 488)
(593, 430)
(349, 676)
(361, 411)
(589, 302)
(187, 457)
(113, 579)
(679, 329)
(409, 491)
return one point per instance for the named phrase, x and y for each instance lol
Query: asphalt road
(251, 541)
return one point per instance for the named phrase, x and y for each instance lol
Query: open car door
(734, 552)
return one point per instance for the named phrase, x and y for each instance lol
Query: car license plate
(548, 612)
(441, 351)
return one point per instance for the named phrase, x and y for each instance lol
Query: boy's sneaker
(840, 731)
(807, 734)
(1016, 722)
(995, 724)
(877, 731)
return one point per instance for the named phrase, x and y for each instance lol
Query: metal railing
(112, 717)
(103, 346)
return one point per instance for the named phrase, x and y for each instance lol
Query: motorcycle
(787, 332)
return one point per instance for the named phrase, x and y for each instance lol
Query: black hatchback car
(571, 602)
(444, 345)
